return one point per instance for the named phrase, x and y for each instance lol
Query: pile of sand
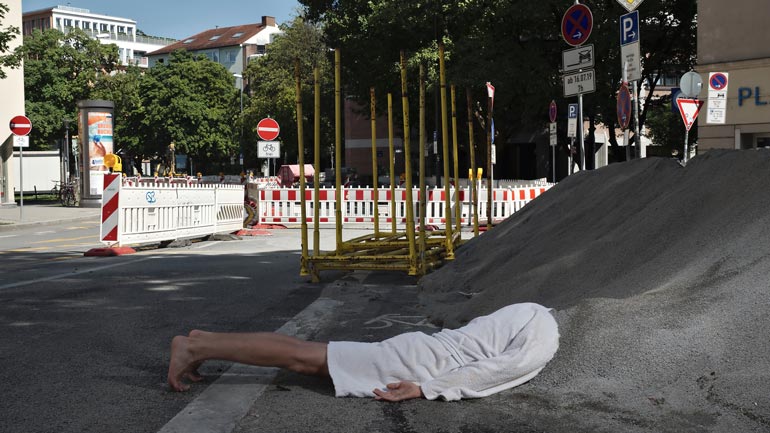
(660, 278)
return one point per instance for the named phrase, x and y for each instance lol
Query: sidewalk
(43, 213)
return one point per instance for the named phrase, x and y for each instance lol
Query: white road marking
(225, 402)
(71, 273)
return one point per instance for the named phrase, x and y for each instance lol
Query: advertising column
(95, 121)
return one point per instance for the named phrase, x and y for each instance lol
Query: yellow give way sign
(630, 5)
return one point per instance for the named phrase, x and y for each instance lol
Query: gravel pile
(659, 275)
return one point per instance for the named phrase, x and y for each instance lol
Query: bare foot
(181, 364)
(193, 374)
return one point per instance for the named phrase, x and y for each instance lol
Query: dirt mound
(659, 275)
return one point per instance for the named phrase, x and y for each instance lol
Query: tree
(191, 102)
(7, 35)
(59, 71)
(272, 89)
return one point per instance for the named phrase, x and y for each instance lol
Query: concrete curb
(6, 226)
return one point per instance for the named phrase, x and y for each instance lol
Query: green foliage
(190, 101)
(273, 90)
(7, 35)
(515, 44)
(123, 90)
(60, 70)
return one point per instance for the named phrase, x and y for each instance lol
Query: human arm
(399, 391)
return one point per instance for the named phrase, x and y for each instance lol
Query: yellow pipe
(423, 197)
(338, 145)
(458, 209)
(303, 270)
(374, 160)
(408, 167)
(392, 166)
(317, 160)
(445, 141)
(473, 178)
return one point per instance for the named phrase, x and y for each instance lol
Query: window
(260, 50)
(189, 41)
(67, 22)
(231, 56)
(238, 35)
(58, 23)
(215, 37)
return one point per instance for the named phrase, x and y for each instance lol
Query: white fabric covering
(488, 355)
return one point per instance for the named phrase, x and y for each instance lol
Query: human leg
(266, 349)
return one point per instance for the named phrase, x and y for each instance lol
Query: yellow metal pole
(489, 163)
(408, 167)
(301, 151)
(423, 197)
(458, 209)
(392, 166)
(338, 147)
(450, 254)
(374, 162)
(472, 146)
(317, 161)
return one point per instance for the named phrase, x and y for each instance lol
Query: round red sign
(268, 129)
(576, 25)
(21, 125)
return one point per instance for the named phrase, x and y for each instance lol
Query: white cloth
(488, 355)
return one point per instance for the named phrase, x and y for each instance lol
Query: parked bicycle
(66, 193)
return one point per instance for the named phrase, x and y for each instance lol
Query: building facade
(132, 47)
(732, 40)
(12, 91)
(231, 47)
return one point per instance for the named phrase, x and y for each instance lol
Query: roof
(214, 38)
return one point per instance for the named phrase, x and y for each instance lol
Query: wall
(12, 91)
(41, 170)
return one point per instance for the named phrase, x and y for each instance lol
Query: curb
(7, 226)
(109, 252)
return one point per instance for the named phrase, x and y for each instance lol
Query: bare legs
(266, 349)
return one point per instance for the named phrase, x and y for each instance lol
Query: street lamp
(240, 142)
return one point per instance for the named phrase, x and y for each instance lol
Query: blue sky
(180, 18)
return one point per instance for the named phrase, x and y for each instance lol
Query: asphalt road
(84, 340)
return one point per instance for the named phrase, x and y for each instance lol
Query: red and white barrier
(283, 206)
(110, 200)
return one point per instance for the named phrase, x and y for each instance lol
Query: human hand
(399, 391)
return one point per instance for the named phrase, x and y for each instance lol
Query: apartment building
(12, 91)
(732, 40)
(231, 47)
(132, 46)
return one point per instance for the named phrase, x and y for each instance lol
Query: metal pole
(472, 177)
(423, 198)
(21, 183)
(581, 139)
(458, 209)
(373, 115)
(636, 123)
(686, 143)
(317, 162)
(445, 141)
(553, 163)
(490, 174)
(408, 166)
(392, 166)
(301, 159)
(338, 147)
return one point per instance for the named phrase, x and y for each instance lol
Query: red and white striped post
(110, 200)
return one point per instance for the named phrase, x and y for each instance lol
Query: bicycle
(67, 196)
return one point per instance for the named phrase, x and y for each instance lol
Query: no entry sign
(576, 25)
(21, 125)
(268, 129)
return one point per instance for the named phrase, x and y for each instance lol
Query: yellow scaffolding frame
(380, 250)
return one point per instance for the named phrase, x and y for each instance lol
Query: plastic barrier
(149, 211)
(283, 205)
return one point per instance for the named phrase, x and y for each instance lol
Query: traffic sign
(717, 107)
(20, 125)
(268, 129)
(629, 28)
(554, 140)
(572, 114)
(578, 58)
(552, 111)
(268, 149)
(20, 141)
(689, 108)
(624, 106)
(718, 81)
(576, 25)
(630, 5)
(579, 82)
(690, 83)
(630, 59)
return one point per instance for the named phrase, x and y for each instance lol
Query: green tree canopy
(60, 70)
(191, 102)
(7, 34)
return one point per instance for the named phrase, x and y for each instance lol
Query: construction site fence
(151, 210)
(284, 206)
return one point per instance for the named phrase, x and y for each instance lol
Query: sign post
(717, 110)
(689, 108)
(576, 26)
(21, 126)
(268, 130)
(552, 116)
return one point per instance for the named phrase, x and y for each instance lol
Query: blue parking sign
(629, 28)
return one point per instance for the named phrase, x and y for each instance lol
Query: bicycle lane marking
(225, 402)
